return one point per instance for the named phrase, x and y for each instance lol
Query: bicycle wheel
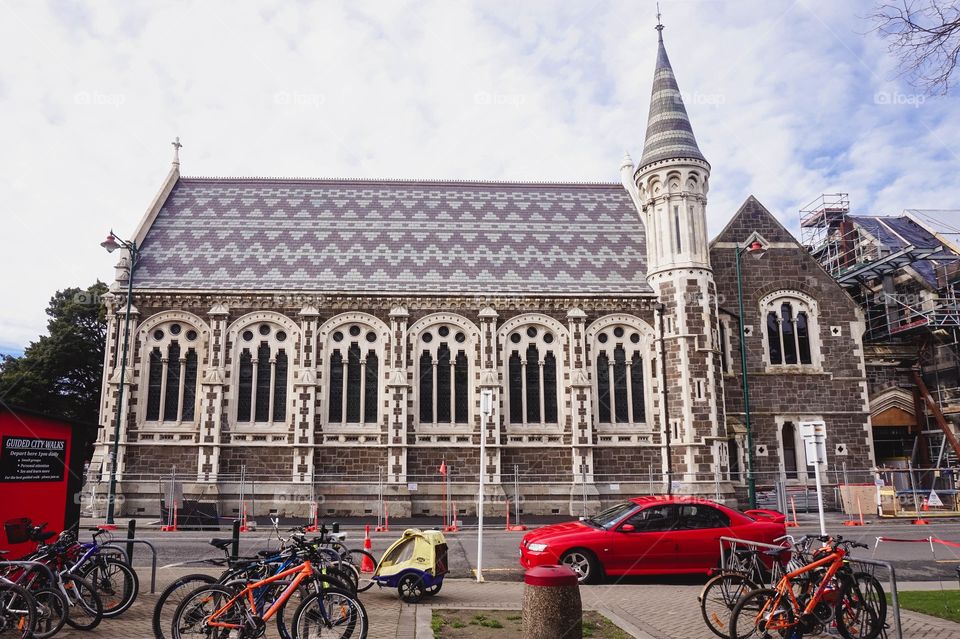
(719, 597)
(84, 608)
(762, 614)
(355, 559)
(859, 611)
(17, 612)
(51, 612)
(330, 614)
(170, 598)
(190, 618)
(115, 582)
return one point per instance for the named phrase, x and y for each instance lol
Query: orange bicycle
(806, 601)
(221, 611)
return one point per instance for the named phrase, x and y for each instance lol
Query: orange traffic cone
(366, 566)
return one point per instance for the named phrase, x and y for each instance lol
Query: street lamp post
(112, 243)
(757, 250)
(486, 409)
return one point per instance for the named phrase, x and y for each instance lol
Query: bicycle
(218, 611)
(292, 551)
(115, 581)
(745, 571)
(809, 599)
(18, 610)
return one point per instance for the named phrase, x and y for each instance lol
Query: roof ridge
(432, 181)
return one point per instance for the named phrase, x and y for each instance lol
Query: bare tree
(925, 36)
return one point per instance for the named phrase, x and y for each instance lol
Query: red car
(648, 535)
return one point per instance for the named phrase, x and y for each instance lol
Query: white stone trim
(771, 302)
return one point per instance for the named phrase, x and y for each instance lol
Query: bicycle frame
(302, 572)
(835, 562)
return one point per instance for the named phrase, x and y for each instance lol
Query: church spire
(669, 134)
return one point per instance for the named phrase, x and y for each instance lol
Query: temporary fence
(178, 499)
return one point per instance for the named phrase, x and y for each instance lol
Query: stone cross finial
(176, 150)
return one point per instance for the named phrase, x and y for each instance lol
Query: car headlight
(536, 547)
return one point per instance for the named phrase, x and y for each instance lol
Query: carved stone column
(581, 405)
(305, 397)
(399, 381)
(490, 380)
(211, 395)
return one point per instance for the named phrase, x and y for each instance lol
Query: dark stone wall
(836, 392)
(423, 463)
(265, 463)
(349, 463)
(537, 464)
(622, 463)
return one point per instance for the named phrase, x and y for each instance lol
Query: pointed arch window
(354, 374)
(788, 331)
(619, 375)
(443, 389)
(532, 370)
(263, 374)
(171, 385)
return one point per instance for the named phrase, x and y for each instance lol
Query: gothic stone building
(323, 336)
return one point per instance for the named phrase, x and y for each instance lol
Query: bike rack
(118, 544)
(895, 601)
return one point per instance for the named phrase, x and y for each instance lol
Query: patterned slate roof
(358, 236)
(669, 133)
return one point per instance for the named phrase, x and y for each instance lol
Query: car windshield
(611, 515)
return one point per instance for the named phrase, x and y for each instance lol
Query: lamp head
(756, 249)
(110, 243)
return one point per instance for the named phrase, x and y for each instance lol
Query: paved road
(913, 561)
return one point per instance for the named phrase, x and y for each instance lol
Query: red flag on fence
(443, 467)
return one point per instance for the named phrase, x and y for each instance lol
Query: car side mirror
(628, 528)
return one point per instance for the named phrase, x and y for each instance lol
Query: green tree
(61, 372)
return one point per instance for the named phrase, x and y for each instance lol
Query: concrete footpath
(645, 611)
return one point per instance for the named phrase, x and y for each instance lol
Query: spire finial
(659, 26)
(176, 150)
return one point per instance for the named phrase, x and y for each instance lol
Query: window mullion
(612, 385)
(182, 384)
(343, 398)
(628, 363)
(163, 388)
(453, 388)
(542, 393)
(273, 383)
(523, 381)
(363, 390)
(435, 400)
(253, 390)
(783, 350)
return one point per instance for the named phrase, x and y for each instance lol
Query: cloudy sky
(788, 99)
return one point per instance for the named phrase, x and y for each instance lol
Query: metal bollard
(336, 527)
(551, 604)
(235, 535)
(131, 534)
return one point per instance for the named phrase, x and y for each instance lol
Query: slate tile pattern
(395, 237)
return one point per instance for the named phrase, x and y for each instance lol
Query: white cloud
(783, 98)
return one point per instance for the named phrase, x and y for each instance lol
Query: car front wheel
(583, 563)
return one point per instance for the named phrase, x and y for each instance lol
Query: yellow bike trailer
(414, 564)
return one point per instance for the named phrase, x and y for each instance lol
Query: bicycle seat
(220, 543)
(776, 552)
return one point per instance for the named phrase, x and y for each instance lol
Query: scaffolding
(905, 273)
